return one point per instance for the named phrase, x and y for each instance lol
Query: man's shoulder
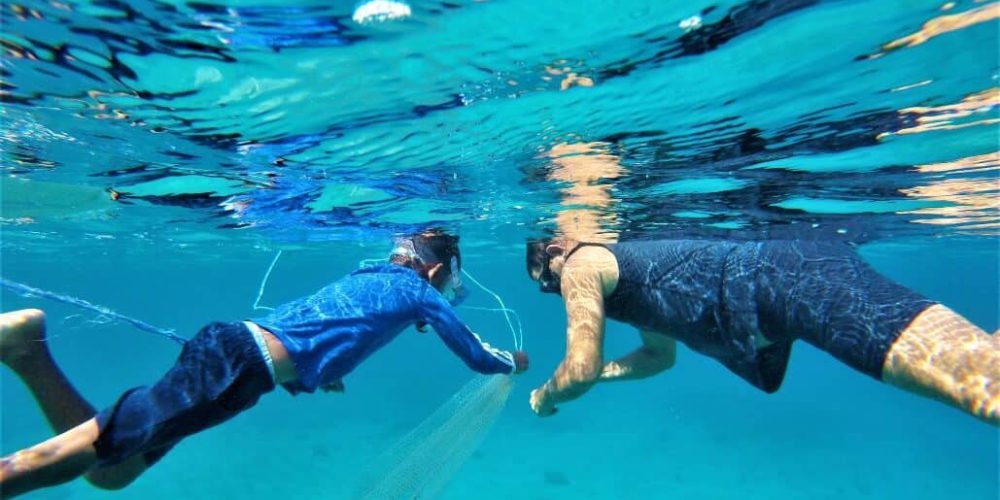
(398, 279)
(592, 267)
(591, 259)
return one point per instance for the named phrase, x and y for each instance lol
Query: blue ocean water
(157, 154)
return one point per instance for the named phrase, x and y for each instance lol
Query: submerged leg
(24, 350)
(656, 354)
(943, 356)
(58, 460)
(826, 295)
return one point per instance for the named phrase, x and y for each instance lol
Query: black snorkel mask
(548, 282)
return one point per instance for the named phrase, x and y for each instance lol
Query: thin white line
(263, 283)
(518, 341)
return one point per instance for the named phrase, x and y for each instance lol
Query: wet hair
(426, 248)
(438, 246)
(429, 247)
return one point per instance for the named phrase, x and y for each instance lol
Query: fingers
(540, 405)
(544, 413)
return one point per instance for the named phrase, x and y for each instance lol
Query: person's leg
(23, 349)
(58, 460)
(657, 353)
(943, 356)
(219, 373)
(826, 295)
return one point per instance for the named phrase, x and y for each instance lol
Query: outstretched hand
(335, 386)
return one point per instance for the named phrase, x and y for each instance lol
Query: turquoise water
(156, 157)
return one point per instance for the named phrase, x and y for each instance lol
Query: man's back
(334, 329)
(329, 333)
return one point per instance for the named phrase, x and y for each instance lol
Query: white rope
(29, 291)
(518, 338)
(263, 284)
(517, 317)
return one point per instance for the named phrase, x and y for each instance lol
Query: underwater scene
(708, 191)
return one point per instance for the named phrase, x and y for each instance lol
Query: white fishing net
(427, 458)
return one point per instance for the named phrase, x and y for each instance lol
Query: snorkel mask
(548, 282)
(454, 292)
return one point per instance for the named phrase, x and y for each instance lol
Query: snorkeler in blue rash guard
(744, 304)
(308, 344)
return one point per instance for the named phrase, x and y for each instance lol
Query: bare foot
(22, 337)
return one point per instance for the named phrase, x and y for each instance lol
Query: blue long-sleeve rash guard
(331, 332)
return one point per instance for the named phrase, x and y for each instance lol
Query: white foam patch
(380, 11)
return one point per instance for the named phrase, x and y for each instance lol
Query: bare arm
(943, 356)
(657, 353)
(579, 370)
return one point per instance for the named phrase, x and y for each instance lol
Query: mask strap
(404, 248)
(456, 273)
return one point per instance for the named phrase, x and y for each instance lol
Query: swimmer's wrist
(520, 362)
(548, 388)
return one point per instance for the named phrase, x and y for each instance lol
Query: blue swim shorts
(220, 372)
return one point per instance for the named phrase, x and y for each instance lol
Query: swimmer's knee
(109, 482)
(668, 360)
(661, 362)
(117, 477)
